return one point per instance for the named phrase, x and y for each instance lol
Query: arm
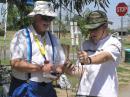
(110, 53)
(24, 66)
(101, 57)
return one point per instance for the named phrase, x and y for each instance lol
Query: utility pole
(128, 14)
(5, 28)
(121, 10)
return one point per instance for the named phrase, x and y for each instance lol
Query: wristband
(90, 60)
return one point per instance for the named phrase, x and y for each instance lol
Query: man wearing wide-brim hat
(98, 59)
(36, 56)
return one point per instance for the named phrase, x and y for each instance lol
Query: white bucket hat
(43, 8)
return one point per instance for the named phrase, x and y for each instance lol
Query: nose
(46, 22)
(92, 33)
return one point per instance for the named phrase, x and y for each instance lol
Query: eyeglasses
(47, 18)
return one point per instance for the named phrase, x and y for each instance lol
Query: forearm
(24, 66)
(101, 58)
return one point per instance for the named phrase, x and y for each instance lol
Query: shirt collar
(102, 40)
(35, 33)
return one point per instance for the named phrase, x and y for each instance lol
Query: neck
(39, 32)
(105, 34)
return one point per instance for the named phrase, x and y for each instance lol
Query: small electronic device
(52, 75)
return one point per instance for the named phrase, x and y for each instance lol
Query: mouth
(45, 25)
(93, 37)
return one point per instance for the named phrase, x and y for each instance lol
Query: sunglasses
(47, 18)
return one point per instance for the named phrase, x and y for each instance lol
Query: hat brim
(93, 26)
(51, 14)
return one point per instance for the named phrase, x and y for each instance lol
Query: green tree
(12, 16)
(78, 5)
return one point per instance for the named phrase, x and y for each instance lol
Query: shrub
(1, 32)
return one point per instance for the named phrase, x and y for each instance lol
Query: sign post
(121, 10)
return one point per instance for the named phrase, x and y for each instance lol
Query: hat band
(97, 22)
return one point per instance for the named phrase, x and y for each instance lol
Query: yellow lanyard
(41, 47)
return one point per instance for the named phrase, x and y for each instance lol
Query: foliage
(12, 16)
(128, 31)
(62, 25)
(1, 32)
(23, 8)
(81, 21)
(79, 5)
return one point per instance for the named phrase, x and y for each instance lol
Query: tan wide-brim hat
(95, 19)
(43, 8)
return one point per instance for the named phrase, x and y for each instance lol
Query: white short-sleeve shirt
(101, 80)
(18, 48)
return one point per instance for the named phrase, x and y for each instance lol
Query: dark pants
(30, 89)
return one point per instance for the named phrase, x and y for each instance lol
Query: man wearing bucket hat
(98, 59)
(36, 56)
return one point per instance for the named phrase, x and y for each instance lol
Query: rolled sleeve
(18, 46)
(59, 52)
(59, 56)
(115, 50)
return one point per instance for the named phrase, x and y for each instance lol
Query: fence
(4, 70)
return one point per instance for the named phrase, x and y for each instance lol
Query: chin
(94, 41)
(43, 30)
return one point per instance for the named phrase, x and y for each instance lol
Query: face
(41, 23)
(97, 34)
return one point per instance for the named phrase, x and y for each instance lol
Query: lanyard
(29, 44)
(29, 49)
(41, 47)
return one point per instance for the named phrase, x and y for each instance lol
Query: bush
(1, 32)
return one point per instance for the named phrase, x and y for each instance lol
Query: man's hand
(83, 57)
(47, 67)
(66, 64)
(72, 69)
(68, 67)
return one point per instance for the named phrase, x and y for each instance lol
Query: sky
(1, 7)
(111, 13)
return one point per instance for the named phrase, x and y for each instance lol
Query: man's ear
(105, 26)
